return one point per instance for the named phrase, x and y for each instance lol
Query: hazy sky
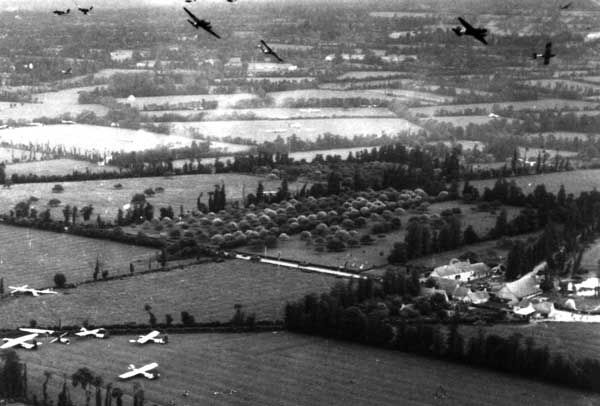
(62, 4)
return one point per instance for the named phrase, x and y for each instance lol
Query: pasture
(178, 190)
(565, 84)
(50, 104)
(207, 291)
(408, 95)
(92, 138)
(574, 181)
(462, 121)
(543, 104)
(231, 369)
(56, 167)
(224, 100)
(562, 135)
(365, 74)
(278, 113)
(33, 257)
(269, 130)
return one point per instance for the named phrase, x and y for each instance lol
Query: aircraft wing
(36, 330)
(192, 16)
(147, 337)
(480, 38)
(264, 44)
(22, 341)
(148, 367)
(465, 24)
(207, 27)
(129, 374)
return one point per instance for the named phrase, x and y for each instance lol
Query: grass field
(280, 97)
(7, 154)
(280, 113)
(56, 167)
(462, 121)
(568, 84)
(363, 74)
(517, 105)
(562, 135)
(269, 130)
(33, 257)
(375, 255)
(574, 181)
(51, 104)
(179, 190)
(92, 138)
(224, 100)
(208, 292)
(287, 369)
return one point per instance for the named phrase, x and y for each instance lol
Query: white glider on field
(21, 341)
(133, 371)
(151, 337)
(34, 292)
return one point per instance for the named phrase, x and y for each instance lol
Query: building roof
(527, 285)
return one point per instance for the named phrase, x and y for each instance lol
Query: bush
(53, 202)
(118, 186)
(187, 319)
(58, 188)
(60, 280)
(149, 192)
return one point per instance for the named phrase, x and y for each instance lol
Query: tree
(514, 261)
(87, 211)
(60, 280)
(470, 236)
(117, 393)
(67, 213)
(398, 254)
(84, 377)
(501, 227)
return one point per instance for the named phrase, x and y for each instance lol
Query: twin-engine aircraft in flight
(467, 29)
(145, 371)
(151, 337)
(34, 292)
(198, 23)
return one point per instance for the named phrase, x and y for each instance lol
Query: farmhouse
(464, 271)
(526, 287)
(269, 67)
(121, 55)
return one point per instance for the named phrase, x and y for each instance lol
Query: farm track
(296, 367)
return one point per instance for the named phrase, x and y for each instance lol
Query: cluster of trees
(341, 102)
(13, 375)
(368, 314)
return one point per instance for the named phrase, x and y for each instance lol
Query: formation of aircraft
(546, 55)
(27, 341)
(198, 23)
(145, 371)
(151, 337)
(98, 333)
(34, 292)
(467, 29)
(267, 50)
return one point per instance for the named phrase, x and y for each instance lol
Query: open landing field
(207, 291)
(32, 257)
(231, 369)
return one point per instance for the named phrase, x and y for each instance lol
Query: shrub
(60, 280)
(118, 186)
(168, 320)
(105, 274)
(187, 319)
(149, 192)
(58, 188)
(53, 202)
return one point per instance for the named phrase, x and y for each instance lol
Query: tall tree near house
(47, 375)
(64, 397)
(67, 213)
(514, 261)
(97, 382)
(108, 395)
(75, 214)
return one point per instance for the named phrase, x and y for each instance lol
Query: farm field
(563, 135)
(92, 138)
(33, 256)
(269, 130)
(363, 74)
(207, 291)
(51, 104)
(178, 190)
(235, 367)
(533, 153)
(375, 255)
(577, 340)
(517, 105)
(574, 181)
(56, 167)
(278, 79)
(280, 97)
(567, 84)
(224, 100)
(279, 113)
(466, 144)
(462, 121)
(7, 154)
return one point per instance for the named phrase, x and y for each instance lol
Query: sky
(14, 5)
